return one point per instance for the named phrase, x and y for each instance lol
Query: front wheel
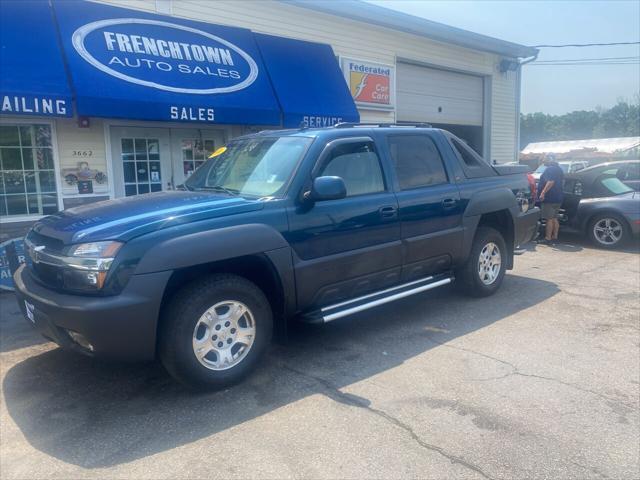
(607, 231)
(214, 331)
(484, 270)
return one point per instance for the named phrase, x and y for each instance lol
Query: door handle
(388, 211)
(449, 203)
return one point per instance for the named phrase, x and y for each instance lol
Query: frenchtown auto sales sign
(170, 57)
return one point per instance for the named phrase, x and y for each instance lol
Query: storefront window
(27, 175)
(141, 163)
(194, 153)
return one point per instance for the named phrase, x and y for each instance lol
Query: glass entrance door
(190, 148)
(141, 160)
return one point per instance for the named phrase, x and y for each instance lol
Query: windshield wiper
(220, 188)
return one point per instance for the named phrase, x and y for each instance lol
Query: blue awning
(308, 82)
(33, 80)
(130, 64)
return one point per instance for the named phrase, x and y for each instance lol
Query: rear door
(429, 205)
(351, 246)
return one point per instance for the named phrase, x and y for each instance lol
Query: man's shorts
(550, 210)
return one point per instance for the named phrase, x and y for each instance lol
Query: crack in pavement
(339, 396)
(516, 371)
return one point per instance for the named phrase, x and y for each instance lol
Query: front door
(348, 247)
(141, 160)
(190, 148)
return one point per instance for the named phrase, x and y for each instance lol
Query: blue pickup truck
(304, 225)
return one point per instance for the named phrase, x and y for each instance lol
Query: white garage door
(438, 96)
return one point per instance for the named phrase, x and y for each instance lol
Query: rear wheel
(214, 331)
(484, 270)
(608, 231)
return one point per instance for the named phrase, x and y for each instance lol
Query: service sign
(165, 56)
(372, 85)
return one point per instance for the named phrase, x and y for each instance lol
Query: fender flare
(487, 201)
(483, 202)
(210, 246)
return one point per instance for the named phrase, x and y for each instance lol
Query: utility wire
(588, 59)
(581, 64)
(586, 45)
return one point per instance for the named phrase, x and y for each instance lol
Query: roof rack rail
(357, 124)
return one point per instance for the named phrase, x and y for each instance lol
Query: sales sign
(372, 85)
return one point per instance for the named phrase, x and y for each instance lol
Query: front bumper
(122, 327)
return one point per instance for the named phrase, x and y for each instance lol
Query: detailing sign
(165, 56)
(32, 105)
(372, 85)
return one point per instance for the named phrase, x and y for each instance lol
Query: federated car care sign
(371, 84)
(166, 56)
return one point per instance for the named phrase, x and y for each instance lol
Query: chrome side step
(349, 307)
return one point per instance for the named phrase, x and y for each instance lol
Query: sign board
(6, 275)
(131, 64)
(372, 85)
(164, 55)
(85, 186)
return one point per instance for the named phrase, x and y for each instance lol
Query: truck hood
(126, 218)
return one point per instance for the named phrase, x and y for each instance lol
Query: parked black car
(628, 172)
(597, 203)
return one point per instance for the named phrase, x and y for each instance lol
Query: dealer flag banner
(372, 85)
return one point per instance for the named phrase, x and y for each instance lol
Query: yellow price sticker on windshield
(219, 151)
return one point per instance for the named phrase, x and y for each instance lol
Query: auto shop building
(122, 97)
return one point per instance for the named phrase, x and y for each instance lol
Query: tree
(622, 120)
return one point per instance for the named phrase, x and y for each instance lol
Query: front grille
(51, 244)
(48, 275)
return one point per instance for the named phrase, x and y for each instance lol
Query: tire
(608, 230)
(469, 278)
(191, 324)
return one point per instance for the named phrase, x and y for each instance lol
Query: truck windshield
(259, 167)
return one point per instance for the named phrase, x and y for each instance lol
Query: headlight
(90, 264)
(95, 249)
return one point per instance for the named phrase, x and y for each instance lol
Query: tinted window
(417, 161)
(358, 165)
(629, 172)
(468, 157)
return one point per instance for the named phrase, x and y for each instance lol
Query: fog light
(80, 340)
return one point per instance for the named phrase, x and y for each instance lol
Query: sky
(552, 89)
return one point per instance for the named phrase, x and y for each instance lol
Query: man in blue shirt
(550, 188)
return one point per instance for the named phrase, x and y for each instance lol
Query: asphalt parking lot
(541, 380)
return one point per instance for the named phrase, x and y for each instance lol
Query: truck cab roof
(342, 130)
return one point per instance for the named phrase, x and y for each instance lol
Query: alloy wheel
(489, 263)
(607, 231)
(223, 335)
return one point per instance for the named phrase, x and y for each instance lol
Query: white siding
(77, 145)
(362, 41)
